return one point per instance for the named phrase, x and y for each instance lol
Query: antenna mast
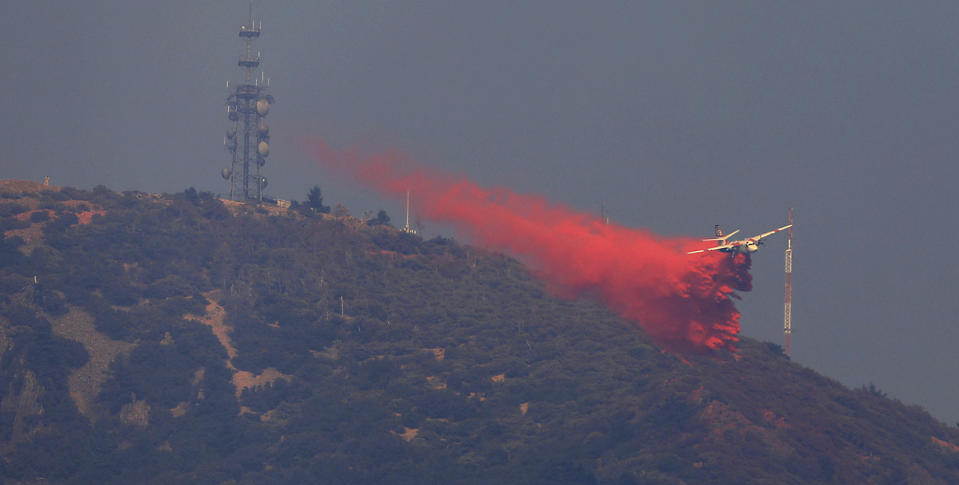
(787, 307)
(248, 139)
(408, 228)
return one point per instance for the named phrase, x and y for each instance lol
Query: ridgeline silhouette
(181, 338)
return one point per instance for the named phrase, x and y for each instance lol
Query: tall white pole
(787, 309)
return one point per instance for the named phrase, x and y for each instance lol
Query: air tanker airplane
(744, 246)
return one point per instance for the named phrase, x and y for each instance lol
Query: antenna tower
(787, 307)
(603, 214)
(408, 228)
(248, 138)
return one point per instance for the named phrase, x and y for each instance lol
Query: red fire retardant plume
(682, 301)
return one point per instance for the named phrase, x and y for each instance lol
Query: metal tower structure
(408, 228)
(787, 308)
(248, 138)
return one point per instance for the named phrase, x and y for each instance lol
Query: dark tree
(314, 200)
(381, 219)
(191, 195)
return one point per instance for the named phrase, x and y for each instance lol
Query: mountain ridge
(179, 338)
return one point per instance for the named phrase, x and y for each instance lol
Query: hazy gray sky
(676, 115)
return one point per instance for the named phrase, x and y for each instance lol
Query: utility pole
(787, 307)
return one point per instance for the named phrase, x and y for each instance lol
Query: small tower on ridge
(408, 228)
(788, 305)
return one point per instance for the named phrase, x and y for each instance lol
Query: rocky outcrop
(84, 383)
(136, 413)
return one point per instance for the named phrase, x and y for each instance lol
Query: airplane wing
(723, 238)
(714, 248)
(770, 233)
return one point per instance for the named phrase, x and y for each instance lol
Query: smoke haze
(683, 302)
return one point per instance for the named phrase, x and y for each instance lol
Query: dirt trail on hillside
(214, 318)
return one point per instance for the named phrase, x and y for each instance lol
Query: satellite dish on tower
(263, 107)
(263, 149)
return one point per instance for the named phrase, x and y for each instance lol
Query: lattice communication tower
(248, 138)
(788, 306)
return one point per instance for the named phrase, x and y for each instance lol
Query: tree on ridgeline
(381, 219)
(314, 201)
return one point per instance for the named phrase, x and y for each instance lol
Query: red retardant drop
(684, 302)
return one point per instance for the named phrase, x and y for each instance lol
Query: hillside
(181, 339)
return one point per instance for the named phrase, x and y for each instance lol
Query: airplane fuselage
(744, 247)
